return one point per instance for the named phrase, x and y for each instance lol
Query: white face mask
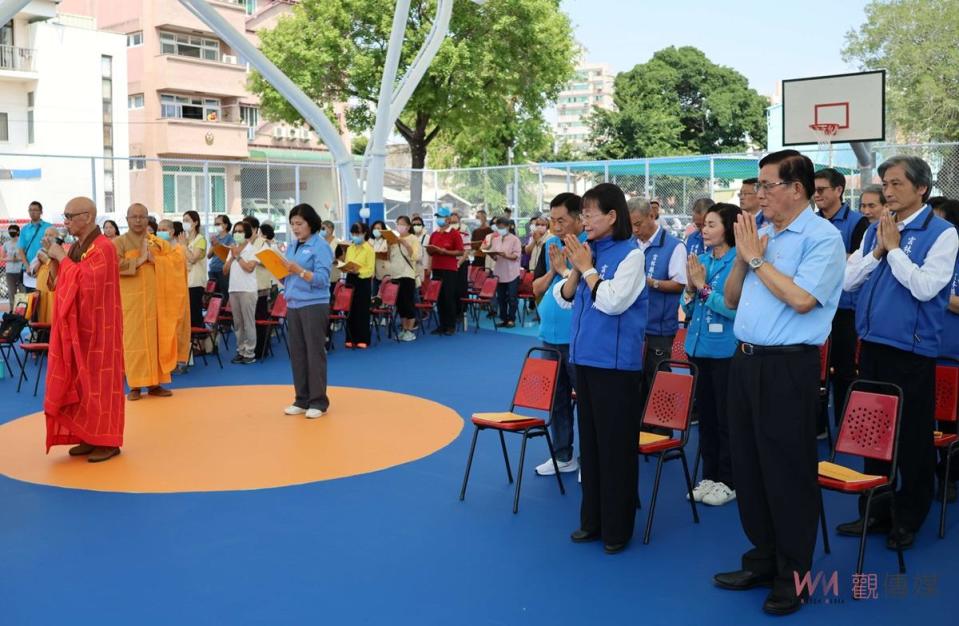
(417, 228)
(187, 227)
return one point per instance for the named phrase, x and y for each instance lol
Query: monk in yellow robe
(173, 233)
(46, 274)
(150, 273)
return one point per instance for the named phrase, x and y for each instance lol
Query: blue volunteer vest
(846, 220)
(695, 244)
(554, 321)
(663, 307)
(887, 312)
(608, 341)
(949, 339)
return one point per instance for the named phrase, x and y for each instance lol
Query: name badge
(715, 328)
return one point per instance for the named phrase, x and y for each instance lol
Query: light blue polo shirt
(811, 251)
(31, 236)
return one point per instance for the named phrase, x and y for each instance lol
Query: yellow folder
(221, 251)
(272, 261)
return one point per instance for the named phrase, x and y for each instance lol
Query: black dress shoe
(583, 536)
(742, 579)
(778, 605)
(436, 331)
(614, 548)
(854, 528)
(906, 538)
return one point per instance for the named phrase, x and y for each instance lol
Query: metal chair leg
(822, 521)
(519, 472)
(689, 486)
(895, 527)
(652, 502)
(502, 443)
(552, 456)
(862, 537)
(469, 463)
(945, 489)
(36, 385)
(699, 456)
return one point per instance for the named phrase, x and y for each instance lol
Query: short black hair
(267, 231)
(36, 202)
(193, 215)
(609, 197)
(152, 223)
(917, 171)
(247, 228)
(252, 221)
(115, 227)
(226, 220)
(308, 214)
(571, 201)
(728, 214)
(502, 220)
(937, 201)
(750, 181)
(416, 219)
(378, 223)
(794, 167)
(177, 228)
(950, 211)
(834, 176)
(13, 227)
(360, 228)
(405, 219)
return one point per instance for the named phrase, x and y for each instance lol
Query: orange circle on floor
(235, 438)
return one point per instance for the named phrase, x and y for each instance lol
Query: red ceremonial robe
(84, 400)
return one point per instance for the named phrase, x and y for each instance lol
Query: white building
(592, 86)
(63, 91)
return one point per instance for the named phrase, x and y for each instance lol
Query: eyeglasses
(69, 216)
(819, 190)
(767, 187)
(743, 194)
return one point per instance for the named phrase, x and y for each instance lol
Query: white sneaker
(546, 469)
(700, 490)
(720, 495)
(406, 336)
(294, 410)
(312, 414)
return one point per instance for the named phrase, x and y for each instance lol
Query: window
(189, 108)
(250, 7)
(135, 101)
(4, 129)
(190, 46)
(137, 163)
(135, 39)
(30, 127)
(184, 189)
(251, 118)
(106, 72)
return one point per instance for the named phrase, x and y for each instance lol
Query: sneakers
(719, 495)
(406, 335)
(247, 360)
(546, 469)
(294, 410)
(312, 414)
(236, 360)
(700, 490)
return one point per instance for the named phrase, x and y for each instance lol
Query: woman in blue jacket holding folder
(606, 291)
(307, 291)
(710, 344)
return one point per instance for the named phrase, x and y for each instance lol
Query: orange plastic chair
(536, 391)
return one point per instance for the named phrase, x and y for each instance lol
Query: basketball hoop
(824, 134)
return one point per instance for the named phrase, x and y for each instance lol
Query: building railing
(17, 59)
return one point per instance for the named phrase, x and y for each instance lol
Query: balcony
(17, 64)
(174, 14)
(197, 138)
(191, 75)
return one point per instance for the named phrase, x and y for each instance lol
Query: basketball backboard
(848, 107)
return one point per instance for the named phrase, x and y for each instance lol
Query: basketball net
(824, 136)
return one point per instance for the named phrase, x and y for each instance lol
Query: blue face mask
(502, 231)
(376, 233)
(441, 221)
(164, 235)
(357, 239)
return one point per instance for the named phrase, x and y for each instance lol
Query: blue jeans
(508, 300)
(561, 428)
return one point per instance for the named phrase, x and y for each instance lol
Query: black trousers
(842, 357)
(773, 401)
(658, 348)
(222, 285)
(449, 300)
(916, 375)
(711, 395)
(609, 417)
(262, 312)
(196, 307)
(359, 321)
(462, 288)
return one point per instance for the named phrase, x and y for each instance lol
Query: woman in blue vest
(710, 344)
(949, 346)
(606, 291)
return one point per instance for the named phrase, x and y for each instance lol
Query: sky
(762, 40)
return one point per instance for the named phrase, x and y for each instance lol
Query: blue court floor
(397, 547)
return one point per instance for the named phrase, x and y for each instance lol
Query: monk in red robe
(84, 400)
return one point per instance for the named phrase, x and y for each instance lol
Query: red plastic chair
(224, 322)
(39, 352)
(536, 391)
(679, 345)
(275, 324)
(208, 292)
(340, 311)
(669, 405)
(869, 429)
(476, 278)
(525, 295)
(389, 292)
(825, 352)
(426, 308)
(209, 330)
(482, 300)
(947, 398)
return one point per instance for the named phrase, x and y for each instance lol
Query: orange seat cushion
(842, 478)
(651, 443)
(506, 421)
(944, 440)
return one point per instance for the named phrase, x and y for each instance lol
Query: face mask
(441, 221)
(402, 228)
(417, 228)
(239, 238)
(502, 231)
(541, 229)
(187, 227)
(455, 226)
(327, 233)
(164, 235)
(13, 234)
(357, 239)
(376, 233)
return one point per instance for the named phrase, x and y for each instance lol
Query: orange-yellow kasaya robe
(153, 304)
(183, 328)
(45, 302)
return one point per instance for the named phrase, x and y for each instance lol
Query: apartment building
(592, 86)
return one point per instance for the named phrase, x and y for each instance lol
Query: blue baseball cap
(443, 212)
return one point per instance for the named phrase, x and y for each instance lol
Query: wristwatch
(655, 283)
(756, 262)
(303, 274)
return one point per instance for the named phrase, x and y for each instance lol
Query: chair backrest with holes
(526, 284)
(383, 286)
(679, 345)
(489, 288)
(210, 286)
(212, 310)
(473, 274)
(537, 384)
(669, 401)
(279, 306)
(388, 293)
(947, 392)
(343, 298)
(869, 425)
(433, 291)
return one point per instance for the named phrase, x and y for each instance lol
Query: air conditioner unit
(304, 134)
(291, 134)
(279, 132)
(230, 58)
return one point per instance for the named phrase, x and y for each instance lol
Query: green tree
(679, 102)
(915, 41)
(500, 66)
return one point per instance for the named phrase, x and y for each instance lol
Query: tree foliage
(679, 102)
(915, 41)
